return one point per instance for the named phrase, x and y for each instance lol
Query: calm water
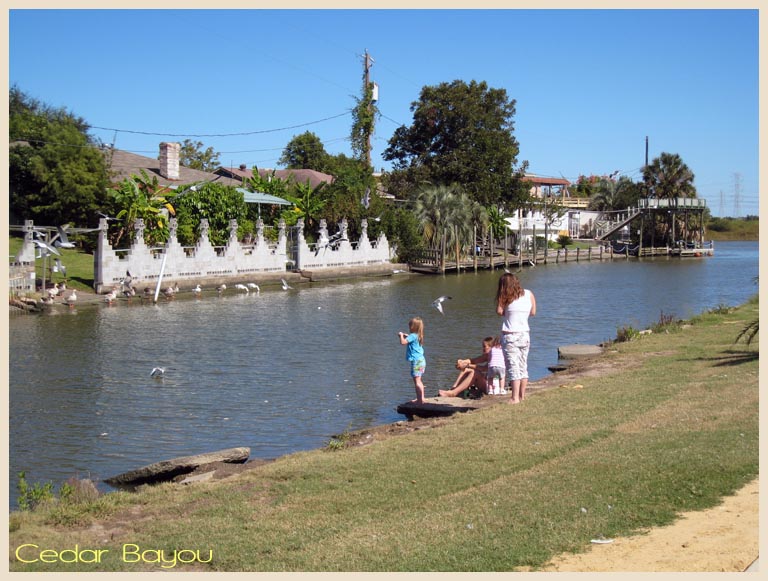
(284, 371)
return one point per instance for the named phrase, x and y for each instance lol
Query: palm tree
(668, 177)
(447, 216)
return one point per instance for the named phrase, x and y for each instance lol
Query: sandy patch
(721, 539)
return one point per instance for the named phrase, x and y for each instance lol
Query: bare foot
(419, 401)
(443, 393)
(514, 401)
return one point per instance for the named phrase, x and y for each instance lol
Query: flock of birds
(127, 289)
(59, 290)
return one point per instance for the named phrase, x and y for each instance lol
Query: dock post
(578, 251)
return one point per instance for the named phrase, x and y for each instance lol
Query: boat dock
(433, 262)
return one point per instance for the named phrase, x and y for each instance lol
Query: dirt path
(722, 539)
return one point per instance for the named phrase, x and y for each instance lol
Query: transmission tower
(736, 195)
(722, 205)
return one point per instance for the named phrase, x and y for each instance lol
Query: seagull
(61, 268)
(286, 286)
(332, 242)
(438, 303)
(107, 218)
(242, 287)
(366, 200)
(147, 293)
(220, 289)
(44, 247)
(157, 372)
(61, 239)
(110, 296)
(255, 287)
(197, 290)
(47, 300)
(71, 298)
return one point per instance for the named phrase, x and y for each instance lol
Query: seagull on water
(221, 288)
(157, 372)
(242, 287)
(197, 290)
(254, 287)
(286, 286)
(438, 303)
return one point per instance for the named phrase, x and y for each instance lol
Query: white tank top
(516, 314)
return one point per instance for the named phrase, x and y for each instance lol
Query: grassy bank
(733, 229)
(670, 425)
(79, 266)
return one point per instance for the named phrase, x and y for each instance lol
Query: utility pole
(368, 62)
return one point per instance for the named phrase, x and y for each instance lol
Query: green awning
(262, 198)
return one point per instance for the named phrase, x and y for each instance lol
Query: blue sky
(589, 85)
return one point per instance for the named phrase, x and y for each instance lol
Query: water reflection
(284, 370)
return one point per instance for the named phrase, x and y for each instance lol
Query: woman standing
(515, 304)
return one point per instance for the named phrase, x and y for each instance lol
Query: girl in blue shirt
(414, 352)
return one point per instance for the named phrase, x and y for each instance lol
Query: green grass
(733, 229)
(673, 428)
(79, 266)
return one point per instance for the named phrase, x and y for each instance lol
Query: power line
(221, 134)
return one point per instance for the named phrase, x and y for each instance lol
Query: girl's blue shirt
(414, 351)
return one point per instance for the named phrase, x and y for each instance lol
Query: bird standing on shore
(71, 298)
(221, 288)
(255, 287)
(110, 296)
(242, 287)
(52, 292)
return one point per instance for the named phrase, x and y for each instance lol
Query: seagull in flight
(438, 303)
(107, 218)
(286, 286)
(61, 240)
(44, 247)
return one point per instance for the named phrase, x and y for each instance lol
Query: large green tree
(215, 202)
(305, 151)
(57, 172)
(462, 133)
(193, 155)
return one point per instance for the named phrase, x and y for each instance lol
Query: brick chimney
(169, 160)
